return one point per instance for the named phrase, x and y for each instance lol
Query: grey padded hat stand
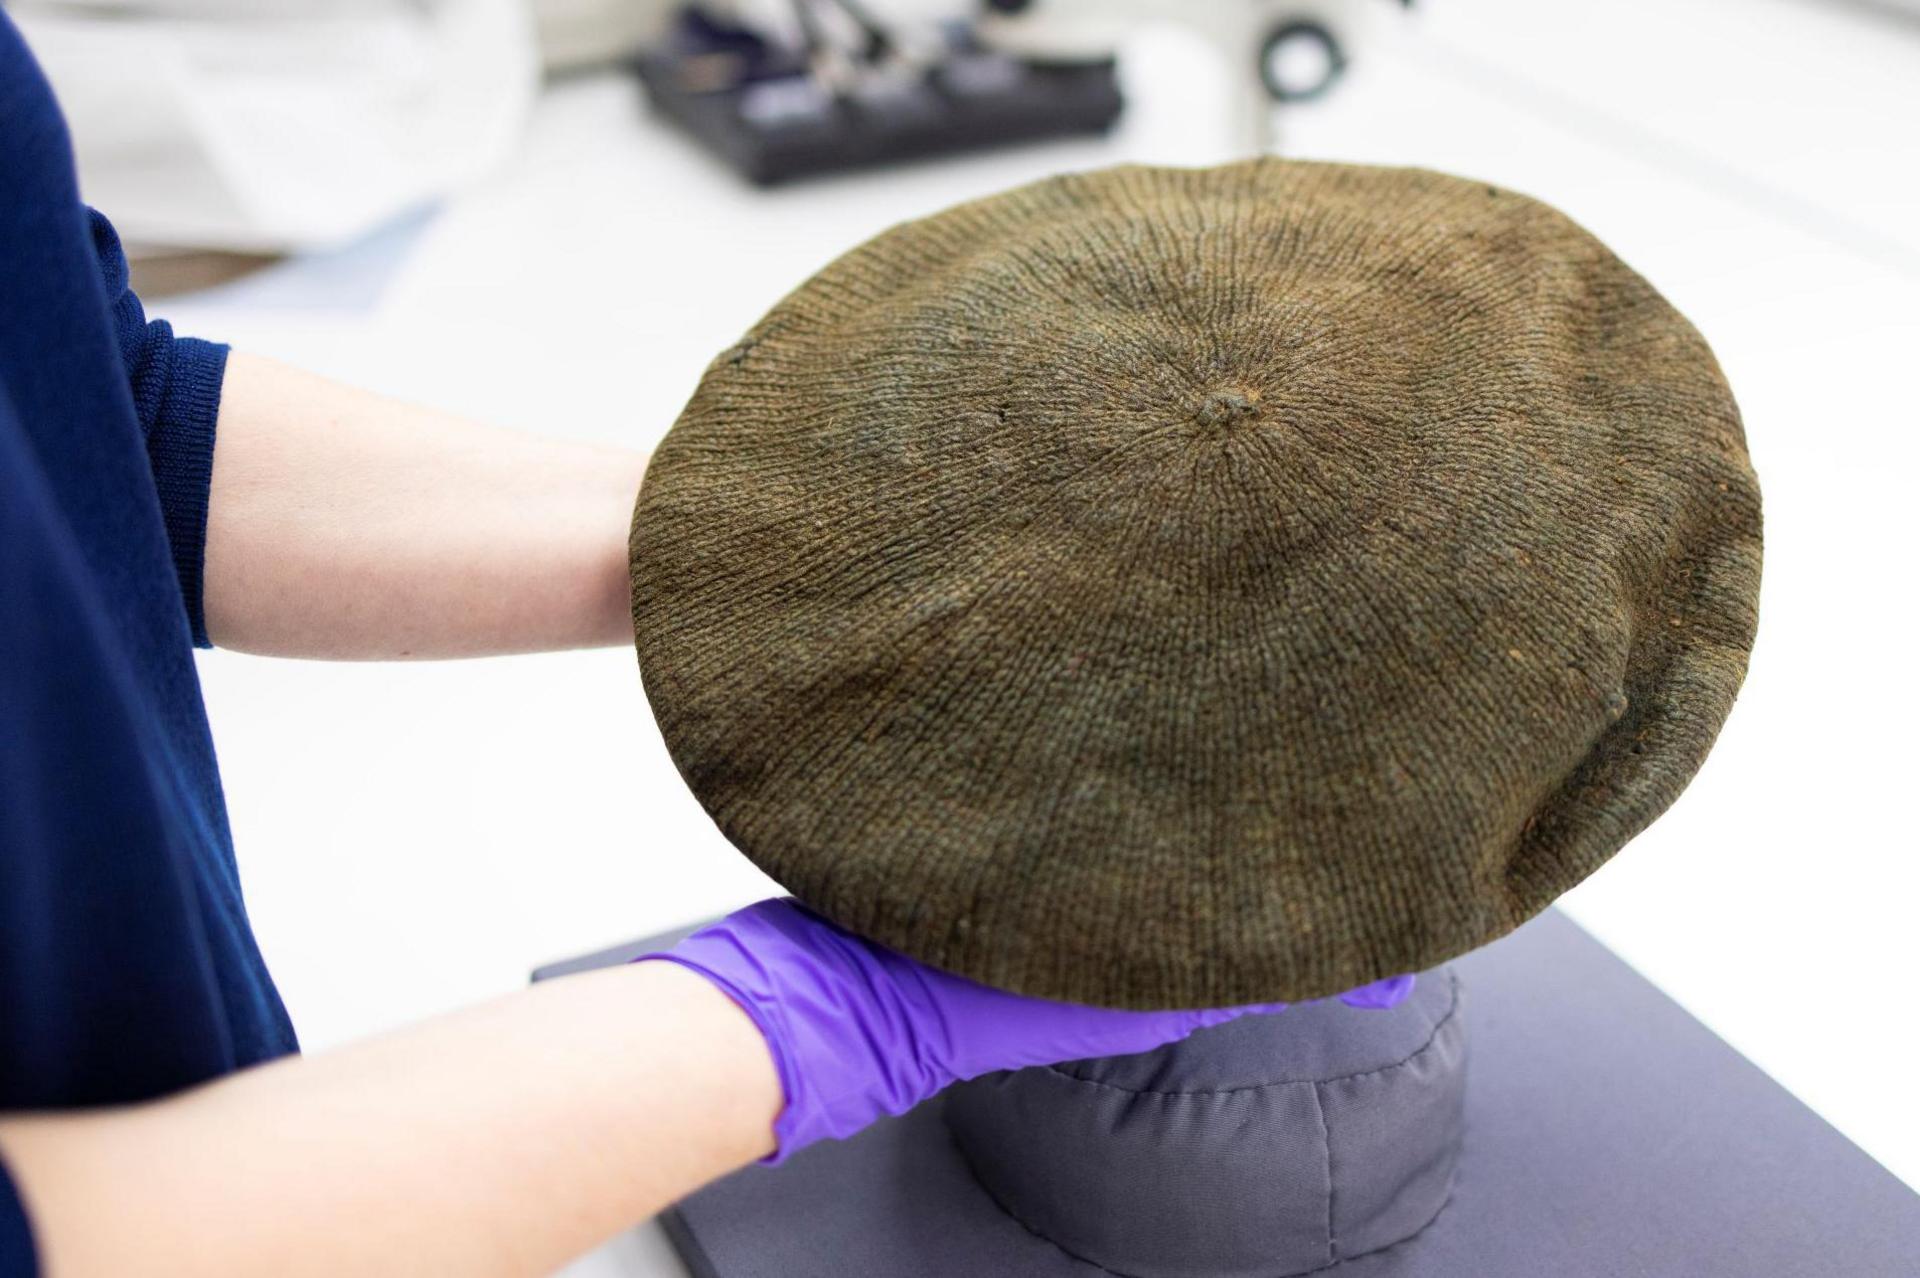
(1273, 1145)
(1537, 1108)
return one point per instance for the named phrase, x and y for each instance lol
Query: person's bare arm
(343, 524)
(501, 1140)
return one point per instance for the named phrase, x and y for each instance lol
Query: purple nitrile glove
(858, 1031)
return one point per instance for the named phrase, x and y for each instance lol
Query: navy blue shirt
(127, 966)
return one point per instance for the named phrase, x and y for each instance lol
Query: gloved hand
(858, 1031)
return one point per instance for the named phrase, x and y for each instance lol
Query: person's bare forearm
(343, 524)
(502, 1140)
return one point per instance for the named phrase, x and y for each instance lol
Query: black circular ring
(1302, 29)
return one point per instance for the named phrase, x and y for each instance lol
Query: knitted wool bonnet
(1187, 588)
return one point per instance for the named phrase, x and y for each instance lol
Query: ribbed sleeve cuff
(17, 1259)
(180, 446)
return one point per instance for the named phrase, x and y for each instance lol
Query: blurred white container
(585, 33)
(278, 125)
(582, 33)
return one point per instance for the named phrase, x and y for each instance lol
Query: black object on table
(772, 112)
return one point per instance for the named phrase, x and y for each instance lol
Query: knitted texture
(1187, 588)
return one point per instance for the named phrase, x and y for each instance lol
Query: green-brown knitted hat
(1186, 588)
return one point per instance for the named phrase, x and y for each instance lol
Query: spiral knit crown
(1165, 587)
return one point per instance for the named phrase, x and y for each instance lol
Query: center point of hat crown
(1226, 408)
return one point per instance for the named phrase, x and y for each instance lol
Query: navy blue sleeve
(128, 967)
(176, 393)
(16, 1237)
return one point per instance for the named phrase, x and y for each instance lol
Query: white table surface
(414, 837)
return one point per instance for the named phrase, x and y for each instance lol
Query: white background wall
(415, 836)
